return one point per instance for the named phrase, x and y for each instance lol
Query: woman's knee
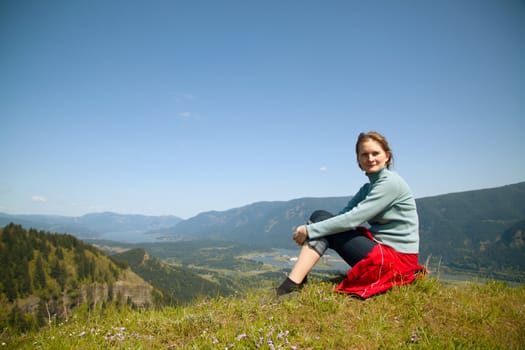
(319, 245)
(320, 215)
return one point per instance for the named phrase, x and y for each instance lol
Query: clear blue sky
(179, 107)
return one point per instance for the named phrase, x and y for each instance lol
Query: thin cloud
(188, 115)
(39, 199)
(184, 98)
(323, 168)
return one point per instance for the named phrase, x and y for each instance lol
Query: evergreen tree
(59, 253)
(58, 272)
(40, 275)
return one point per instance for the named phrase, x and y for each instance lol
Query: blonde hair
(374, 136)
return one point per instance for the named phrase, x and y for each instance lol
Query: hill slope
(44, 276)
(424, 315)
(475, 229)
(179, 285)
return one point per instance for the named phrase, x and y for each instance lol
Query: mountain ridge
(93, 225)
(461, 229)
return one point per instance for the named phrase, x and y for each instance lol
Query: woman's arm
(381, 196)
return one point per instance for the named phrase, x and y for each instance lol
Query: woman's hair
(375, 136)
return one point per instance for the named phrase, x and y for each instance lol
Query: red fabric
(379, 271)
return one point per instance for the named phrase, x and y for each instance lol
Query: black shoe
(289, 286)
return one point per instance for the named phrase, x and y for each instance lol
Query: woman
(384, 254)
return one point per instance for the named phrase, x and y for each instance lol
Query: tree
(39, 279)
(58, 272)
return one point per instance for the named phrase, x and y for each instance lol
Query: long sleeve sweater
(387, 205)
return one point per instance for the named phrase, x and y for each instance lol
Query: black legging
(351, 245)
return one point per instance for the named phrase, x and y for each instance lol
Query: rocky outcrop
(129, 288)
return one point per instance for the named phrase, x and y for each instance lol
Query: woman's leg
(308, 257)
(311, 251)
(352, 246)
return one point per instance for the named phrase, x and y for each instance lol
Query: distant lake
(286, 258)
(128, 237)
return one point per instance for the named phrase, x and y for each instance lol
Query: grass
(424, 315)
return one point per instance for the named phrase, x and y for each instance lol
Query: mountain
(107, 225)
(179, 285)
(268, 224)
(445, 220)
(459, 225)
(461, 229)
(43, 276)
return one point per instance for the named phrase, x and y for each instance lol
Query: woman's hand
(300, 235)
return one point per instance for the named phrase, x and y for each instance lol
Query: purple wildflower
(283, 334)
(414, 338)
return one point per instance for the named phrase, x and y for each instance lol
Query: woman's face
(372, 157)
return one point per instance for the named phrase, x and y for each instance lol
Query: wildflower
(241, 336)
(270, 345)
(81, 334)
(414, 338)
(283, 334)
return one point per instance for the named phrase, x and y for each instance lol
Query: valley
(477, 232)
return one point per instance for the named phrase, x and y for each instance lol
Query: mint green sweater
(387, 205)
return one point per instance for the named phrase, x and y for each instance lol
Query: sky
(179, 107)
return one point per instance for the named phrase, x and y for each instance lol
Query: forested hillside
(179, 285)
(479, 231)
(43, 276)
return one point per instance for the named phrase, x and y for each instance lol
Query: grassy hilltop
(424, 315)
